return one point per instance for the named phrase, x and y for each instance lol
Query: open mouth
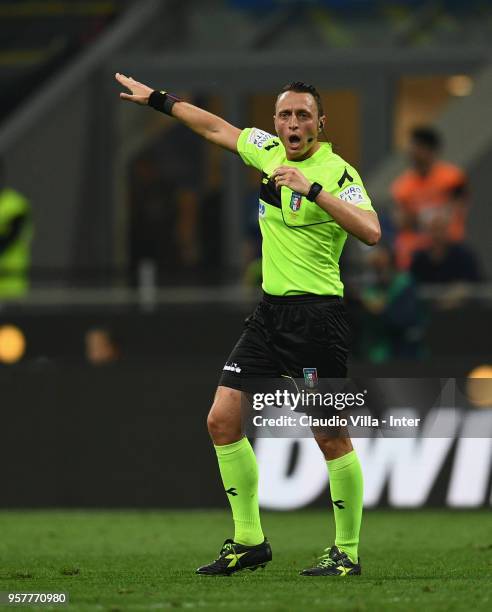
(294, 139)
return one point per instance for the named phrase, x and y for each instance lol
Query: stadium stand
(40, 36)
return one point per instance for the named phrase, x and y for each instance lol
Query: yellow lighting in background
(460, 85)
(12, 344)
(479, 386)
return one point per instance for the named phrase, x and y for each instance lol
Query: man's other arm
(209, 126)
(363, 224)
(13, 232)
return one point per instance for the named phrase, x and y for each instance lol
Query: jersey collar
(325, 147)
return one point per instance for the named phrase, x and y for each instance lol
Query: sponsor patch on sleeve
(354, 194)
(258, 137)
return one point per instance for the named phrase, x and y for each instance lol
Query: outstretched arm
(209, 126)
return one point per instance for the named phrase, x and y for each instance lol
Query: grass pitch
(144, 561)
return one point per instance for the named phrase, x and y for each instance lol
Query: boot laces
(227, 548)
(326, 561)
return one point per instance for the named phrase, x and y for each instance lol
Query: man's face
(98, 347)
(420, 155)
(297, 124)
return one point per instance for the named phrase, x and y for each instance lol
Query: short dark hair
(427, 137)
(300, 87)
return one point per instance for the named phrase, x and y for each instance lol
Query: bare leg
(333, 447)
(224, 419)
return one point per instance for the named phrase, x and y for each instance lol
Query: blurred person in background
(429, 187)
(102, 346)
(445, 261)
(15, 241)
(392, 325)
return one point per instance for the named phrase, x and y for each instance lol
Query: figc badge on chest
(295, 201)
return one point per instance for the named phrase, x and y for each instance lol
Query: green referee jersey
(302, 243)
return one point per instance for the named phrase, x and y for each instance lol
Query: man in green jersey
(310, 199)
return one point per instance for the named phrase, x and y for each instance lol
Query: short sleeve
(349, 188)
(253, 146)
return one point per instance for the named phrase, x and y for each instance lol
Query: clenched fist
(285, 176)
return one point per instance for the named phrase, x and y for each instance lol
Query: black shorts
(286, 335)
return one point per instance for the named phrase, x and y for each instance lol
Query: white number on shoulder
(258, 137)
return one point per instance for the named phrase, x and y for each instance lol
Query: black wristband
(162, 101)
(314, 192)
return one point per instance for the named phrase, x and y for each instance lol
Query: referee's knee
(334, 447)
(221, 430)
(224, 418)
(215, 424)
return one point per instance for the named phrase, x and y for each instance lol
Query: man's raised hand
(139, 92)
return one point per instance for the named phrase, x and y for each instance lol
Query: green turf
(124, 561)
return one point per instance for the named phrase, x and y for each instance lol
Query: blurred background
(129, 248)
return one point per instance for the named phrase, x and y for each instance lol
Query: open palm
(139, 92)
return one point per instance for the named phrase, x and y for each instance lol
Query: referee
(310, 199)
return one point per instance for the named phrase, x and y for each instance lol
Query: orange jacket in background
(425, 197)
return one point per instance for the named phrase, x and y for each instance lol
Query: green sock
(346, 486)
(239, 471)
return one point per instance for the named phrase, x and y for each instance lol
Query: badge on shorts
(310, 377)
(295, 201)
